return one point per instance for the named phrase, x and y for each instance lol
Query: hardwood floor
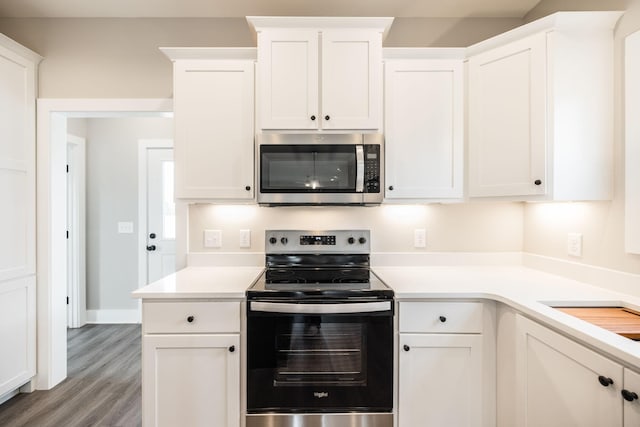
(102, 387)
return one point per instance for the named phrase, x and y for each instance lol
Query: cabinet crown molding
(559, 21)
(179, 53)
(259, 23)
(423, 53)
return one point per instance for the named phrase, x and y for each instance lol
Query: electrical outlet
(574, 244)
(419, 238)
(245, 238)
(212, 238)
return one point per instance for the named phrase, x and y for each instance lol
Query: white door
(161, 214)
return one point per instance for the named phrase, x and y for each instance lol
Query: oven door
(319, 357)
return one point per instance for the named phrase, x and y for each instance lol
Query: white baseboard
(113, 316)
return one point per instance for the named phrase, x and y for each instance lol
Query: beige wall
(602, 223)
(119, 58)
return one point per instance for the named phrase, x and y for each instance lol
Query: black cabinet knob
(151, 248)
(313, 117)
(406, 347)
(232, 349)
(190, 319)
(391, 188)
(537, 182)
(152, 235)
(248, 188)
(327, 117)
(629, 396)
(605, 381)
(442, 319)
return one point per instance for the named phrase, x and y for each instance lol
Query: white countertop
(202, 282)
(526, 290)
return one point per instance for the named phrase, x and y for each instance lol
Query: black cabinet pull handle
(232, 349)
(248, 188)
(537, 182)
(629, 396)
(327, 117)
(442, 319)
(190, 319)
(151, 248)
(313, 117)
(406, 347)
(605, 381)
(391, 188)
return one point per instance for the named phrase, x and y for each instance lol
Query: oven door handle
(341, 308)
(359, 168)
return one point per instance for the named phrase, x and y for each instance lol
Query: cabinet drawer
(190, 317)
(445, 317)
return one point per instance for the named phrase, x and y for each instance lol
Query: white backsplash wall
(464, 227)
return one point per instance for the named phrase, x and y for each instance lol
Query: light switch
(245, 238)
(125, 227)
(212, 238)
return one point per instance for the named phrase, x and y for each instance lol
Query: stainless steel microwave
(314, 169)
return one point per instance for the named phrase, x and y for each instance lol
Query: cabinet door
(631, 413)
(351, 79)
(288, 85)
(558, 381)
(423, 129)
(17, 332)
(440, 380)
(191, 380)
(213, 148)
(507, 124)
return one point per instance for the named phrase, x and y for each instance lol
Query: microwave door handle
(359, 169)
(292, 308)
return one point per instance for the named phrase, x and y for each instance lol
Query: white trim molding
(113, 316)
(51, 218)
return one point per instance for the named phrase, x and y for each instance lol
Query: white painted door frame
(76, 222)
(51, 219)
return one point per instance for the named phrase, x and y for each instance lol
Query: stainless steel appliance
(314, 169)
(319, 334)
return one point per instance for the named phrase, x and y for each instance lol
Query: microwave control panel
(372, 168)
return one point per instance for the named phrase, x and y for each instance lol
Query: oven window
(307, 168)
(315, 353)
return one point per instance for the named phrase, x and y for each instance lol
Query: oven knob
(351, 240)
(284, 240)
(273, 240)
(362, 240)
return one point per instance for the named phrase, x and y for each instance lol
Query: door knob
(152, 235)
(151, 248)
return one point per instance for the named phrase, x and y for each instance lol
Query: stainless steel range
(319, 334)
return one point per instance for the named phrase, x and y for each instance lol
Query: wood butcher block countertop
(620, 320)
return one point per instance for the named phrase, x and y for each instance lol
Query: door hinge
(67, 168)
(67, 300)
(67, 234)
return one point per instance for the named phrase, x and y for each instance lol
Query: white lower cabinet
(191, 378)
(441, 365)
(630, 393)
(561, 383)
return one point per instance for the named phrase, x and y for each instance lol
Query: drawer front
(190, 317)
(441, 317)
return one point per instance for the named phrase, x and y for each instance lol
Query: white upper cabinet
(540, 110)
(320, 73)
(213, 119)
(424, 128)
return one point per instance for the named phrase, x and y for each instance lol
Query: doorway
(52, 115)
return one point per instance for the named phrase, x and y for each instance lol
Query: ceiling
(241, 8)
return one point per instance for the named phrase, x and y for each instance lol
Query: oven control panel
(306, 241)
